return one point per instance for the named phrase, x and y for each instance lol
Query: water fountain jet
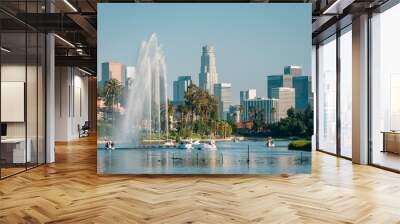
(147, 98)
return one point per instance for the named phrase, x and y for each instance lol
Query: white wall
(12, 73)
(17, 73)
(71, 102)
(34, 125)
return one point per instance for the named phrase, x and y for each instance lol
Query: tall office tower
(286, 98)
(266, 107)
(234, 113)
(180, 87)
(208, 70)
(292, 70)
(247, 94)
(223, 92)
(130, 75)
(273, 81)
(113, 70)
(301, 84)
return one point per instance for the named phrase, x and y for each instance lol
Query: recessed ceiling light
(84, 71)
(70, 5)
(5, 50)
(64, 40)
(333, 6)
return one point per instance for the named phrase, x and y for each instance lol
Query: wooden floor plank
(70, 191)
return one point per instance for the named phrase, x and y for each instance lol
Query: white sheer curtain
(327, 95)
(346, 93)
(385, 78)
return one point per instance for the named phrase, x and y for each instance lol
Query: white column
(314, 88)
(50, 98)
(360, 90)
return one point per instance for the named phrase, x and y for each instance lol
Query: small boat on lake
(169, 143)
(109, 145)
(270, 142)
(184, 144)
(206, 144)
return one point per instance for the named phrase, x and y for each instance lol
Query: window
(346, 92)
(385, 89)
(23, 80)
(327, 95)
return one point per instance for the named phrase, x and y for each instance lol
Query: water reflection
(230, 158)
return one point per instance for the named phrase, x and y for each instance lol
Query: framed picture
(204, 88)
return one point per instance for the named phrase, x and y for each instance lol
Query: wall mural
(204, 89)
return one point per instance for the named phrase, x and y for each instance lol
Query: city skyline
(244, 60)
(180, 85)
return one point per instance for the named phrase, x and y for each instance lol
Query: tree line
(198, 115)
(296, 124)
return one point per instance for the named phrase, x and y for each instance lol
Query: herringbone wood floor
(70, 191)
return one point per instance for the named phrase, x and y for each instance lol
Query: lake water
(229, 158)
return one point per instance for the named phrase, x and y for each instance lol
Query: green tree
(183, 112)
(171, 113)
(100, 91)
(258, 118)
(112, 92)
(199, 112)
(190, 101)
(274, 117)
(291, 112)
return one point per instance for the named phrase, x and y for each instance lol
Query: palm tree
(171, 112)
(241, 109)
(183, 111)
(112, 90)
(274, 118)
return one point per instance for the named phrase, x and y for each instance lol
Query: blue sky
(251, 40)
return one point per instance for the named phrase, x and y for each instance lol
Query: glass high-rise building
(292, 70)
(247, 94)
(273, 81)
(286, 98)
(113, 70)
(301, 84)
(267, 108)
(208, 70)
(130, 75)
(180, 87)
(223, 92)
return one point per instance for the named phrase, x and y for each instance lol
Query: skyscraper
(301, 84)
(113, 70)
(266, 108)
(292, 70)
(234, 113)
(247, 94)
(130, 75)
(208, 71)
(223, 92)
(286, 98)
(273, 81)
(180, 87)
